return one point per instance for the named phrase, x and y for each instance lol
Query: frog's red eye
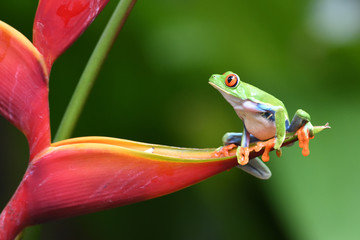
(232, 80)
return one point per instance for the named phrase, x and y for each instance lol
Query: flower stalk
(92, 69)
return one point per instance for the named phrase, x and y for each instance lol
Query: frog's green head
(228, 84)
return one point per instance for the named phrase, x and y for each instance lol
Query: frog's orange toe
(216, 154)
(243, 155)
(243, 161)
(224, 151)
(303, 136)
(268, 146)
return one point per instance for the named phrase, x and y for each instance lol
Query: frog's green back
(259, 96)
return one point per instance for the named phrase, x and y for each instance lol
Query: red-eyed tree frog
(263, 115)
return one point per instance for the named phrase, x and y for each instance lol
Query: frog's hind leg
(302, 126)
(256, 168)
(299, 120)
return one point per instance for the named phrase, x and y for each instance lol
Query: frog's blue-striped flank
(263, 115)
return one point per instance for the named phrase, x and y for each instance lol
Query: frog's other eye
(232, 80)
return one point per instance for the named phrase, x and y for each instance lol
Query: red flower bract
(58, 23)
(24, 88)
(79, 178)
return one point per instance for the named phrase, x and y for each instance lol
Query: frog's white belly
(257, 125)
(248, 111)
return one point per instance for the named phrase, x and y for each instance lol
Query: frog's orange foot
(268, 145)
(304, 138)
(224, 151)
(242, 154)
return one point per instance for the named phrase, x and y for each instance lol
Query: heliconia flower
(83, 175)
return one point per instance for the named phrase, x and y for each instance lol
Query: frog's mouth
(218, 88)
(233, 100)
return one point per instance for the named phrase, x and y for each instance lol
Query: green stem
(92, 69)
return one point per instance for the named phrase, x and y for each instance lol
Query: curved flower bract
(91, 176)
(84, 175)
(24, 88)
(58, 24)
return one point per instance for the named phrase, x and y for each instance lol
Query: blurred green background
(153, 88)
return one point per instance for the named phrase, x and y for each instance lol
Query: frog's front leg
(242, 152)
(255, 166)
(280, 122)
(230, 141)
(280, 118)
